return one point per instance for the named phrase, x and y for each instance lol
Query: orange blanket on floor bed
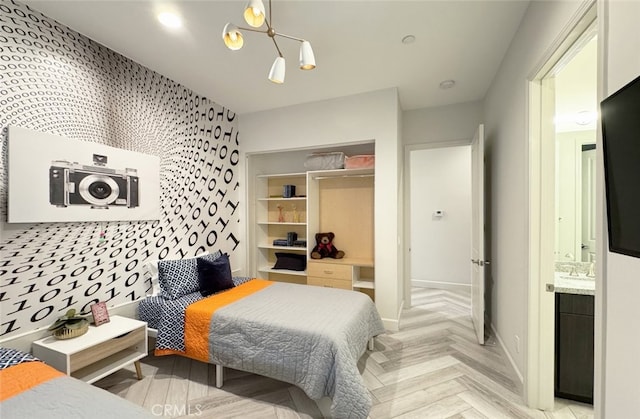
(24, 376)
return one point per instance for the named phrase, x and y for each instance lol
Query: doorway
(562, 120)
(438, 228)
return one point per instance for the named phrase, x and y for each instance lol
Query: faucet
(573, 271)
(592, 270)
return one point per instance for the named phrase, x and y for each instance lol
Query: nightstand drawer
(330, 270)
(105, 349)
(329, 282)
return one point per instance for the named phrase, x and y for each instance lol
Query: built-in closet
(339, 201)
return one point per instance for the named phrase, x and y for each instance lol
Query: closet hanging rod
(333, 177)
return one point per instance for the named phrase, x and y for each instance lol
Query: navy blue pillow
(214, 276)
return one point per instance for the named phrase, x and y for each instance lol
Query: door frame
(407, 205)
(539, 379)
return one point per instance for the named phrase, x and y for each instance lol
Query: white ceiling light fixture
(170, 20)
(447, 84)
(586, 117)
(409, 39)
(254, 15)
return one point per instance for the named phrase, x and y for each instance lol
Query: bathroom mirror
(575, 196)
(575, 113)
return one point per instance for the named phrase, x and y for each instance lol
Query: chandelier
(254, 15)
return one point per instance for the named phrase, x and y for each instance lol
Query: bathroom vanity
(574, 337)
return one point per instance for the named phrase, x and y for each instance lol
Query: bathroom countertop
(581, 284)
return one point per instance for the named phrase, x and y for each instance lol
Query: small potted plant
(69, 326)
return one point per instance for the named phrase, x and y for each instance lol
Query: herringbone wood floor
(431, 368)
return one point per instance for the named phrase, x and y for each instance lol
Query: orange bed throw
(18, 378)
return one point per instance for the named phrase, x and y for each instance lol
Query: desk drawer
(329, 282)
(330, 270)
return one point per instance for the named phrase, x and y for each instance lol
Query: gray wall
(440, 180)
(621, 282)
(506, 113)
(441, 124)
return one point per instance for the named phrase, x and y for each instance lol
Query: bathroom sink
(564, 281)
(580, 277)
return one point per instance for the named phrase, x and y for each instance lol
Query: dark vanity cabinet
(574, 347)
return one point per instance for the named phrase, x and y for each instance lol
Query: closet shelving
(339, 200)
(275, 217)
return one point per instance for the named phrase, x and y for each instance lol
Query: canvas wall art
(53, 179)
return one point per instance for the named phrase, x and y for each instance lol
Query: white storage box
(325, 161)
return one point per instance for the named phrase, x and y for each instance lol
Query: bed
(308, 336)
(31, 389)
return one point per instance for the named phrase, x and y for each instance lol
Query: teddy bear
(324, 247)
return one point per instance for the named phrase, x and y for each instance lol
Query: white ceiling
(357, 45)
(576, 98)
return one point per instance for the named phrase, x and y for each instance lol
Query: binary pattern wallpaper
(56, 81)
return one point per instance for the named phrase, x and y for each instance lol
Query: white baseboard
(23, 341)
(391, 324)
(420, 283)
(511, 361)
(394, 324)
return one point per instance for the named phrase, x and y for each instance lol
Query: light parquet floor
(431, 368)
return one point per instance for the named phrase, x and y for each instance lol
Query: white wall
(440, 246)
(506, 130)
(621, 282)
(445, 123)
(369, 116)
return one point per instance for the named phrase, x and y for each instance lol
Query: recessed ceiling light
(585, 117)
(447, 84)
(409, 39)
(170, 20)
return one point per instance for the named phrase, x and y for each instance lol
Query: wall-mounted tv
(620, 114)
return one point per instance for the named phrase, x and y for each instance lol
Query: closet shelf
(363, 284)
(269, 269)
(281, 223)
(287, 248)
(295, 198)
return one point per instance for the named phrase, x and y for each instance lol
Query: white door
(478, 262)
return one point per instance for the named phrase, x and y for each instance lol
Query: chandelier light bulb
(254, 13)
(232, 37)
(276, 74)
(307, 59)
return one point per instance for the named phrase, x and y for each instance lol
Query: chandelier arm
(252, 29)
(278, 48)
(289, 36)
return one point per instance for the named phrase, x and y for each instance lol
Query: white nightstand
(99, 352)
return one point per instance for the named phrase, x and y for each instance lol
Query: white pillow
(152, 269)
